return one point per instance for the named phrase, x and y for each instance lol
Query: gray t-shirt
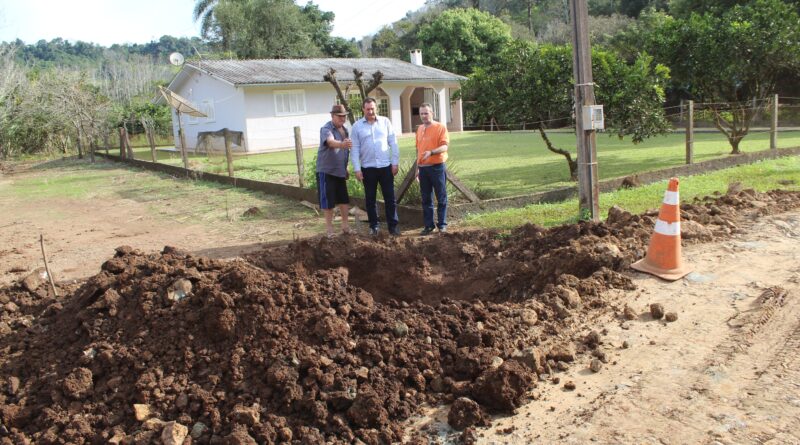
(332, 161)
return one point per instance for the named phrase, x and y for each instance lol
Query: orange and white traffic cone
(663, 257)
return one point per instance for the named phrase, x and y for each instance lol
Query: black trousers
(374, 176)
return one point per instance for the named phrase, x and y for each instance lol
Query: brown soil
(334, 340)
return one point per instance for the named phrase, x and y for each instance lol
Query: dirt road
(726, 372)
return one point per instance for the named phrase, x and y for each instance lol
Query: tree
(726, 61)
(271, 29)
(320, 24)
(204, 11)
(257, 29)
(531, 86)
(460, 39)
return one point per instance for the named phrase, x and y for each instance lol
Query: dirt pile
(338, 340)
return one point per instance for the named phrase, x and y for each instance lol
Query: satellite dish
(176, 59)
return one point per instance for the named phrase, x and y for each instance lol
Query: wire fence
(677, 115)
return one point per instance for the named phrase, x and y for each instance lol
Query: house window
(290, 102)
(383, 106)
(208, 109)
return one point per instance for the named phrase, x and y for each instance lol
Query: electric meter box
(593, 117)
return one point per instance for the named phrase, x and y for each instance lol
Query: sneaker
(442, 229)
(373, 231)
(426, 231)
(394, 231)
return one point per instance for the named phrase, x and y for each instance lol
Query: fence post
(228, 154)
(298, 150)
(773, 135)
(690, 133)
(128, 143)
(122, 153)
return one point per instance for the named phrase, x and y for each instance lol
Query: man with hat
(332, 157)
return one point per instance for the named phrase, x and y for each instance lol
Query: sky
(123, 21)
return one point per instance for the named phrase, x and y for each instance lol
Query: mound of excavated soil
(335, 340)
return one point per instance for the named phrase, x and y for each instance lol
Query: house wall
(266, 131)
(252, 109)
(225, 100)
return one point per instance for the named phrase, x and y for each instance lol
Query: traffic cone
(663, 257)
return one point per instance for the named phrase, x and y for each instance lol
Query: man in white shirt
(375, 157)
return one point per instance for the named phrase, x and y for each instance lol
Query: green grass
(510, 164)
(761, 176)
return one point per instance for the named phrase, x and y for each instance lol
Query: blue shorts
(332, 191)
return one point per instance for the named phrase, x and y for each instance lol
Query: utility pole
(588, 191)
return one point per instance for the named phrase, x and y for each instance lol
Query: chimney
(416, 57)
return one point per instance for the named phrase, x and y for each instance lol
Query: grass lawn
(762, 176)
(502, 164)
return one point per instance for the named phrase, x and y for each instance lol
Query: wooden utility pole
(588, 190)
(690, 133)
(298, 151)
(773, 134)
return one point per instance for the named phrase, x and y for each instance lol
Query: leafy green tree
(531, 86)
(271, 29)
(460, 39)
(256, 29)
(726, 61)
(204, 11)
(320, 24)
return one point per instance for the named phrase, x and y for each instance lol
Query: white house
(266, 99)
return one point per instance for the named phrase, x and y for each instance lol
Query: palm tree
(204, 11)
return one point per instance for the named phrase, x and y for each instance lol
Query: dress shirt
(374, 144)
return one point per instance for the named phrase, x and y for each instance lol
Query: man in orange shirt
(432, 142)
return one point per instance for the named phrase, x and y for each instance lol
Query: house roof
(282, 71)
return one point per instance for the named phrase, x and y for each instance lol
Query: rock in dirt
(142, 411)
(34, 279)
(239, 436)
(247, 415)
(631, 182)
(562, 353)
(671, 316)
(198, 429)
(592, 339)
(252, 212)
(368, 410)
(628, 313)
(78, 384)
(13, 385)
(464, 413)
(173, 433)
(657, 311)
(596, 365)
(501, 390)
(400, 329)
(532, 357)
(696, 231)
(570, 385)
(617, 215)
